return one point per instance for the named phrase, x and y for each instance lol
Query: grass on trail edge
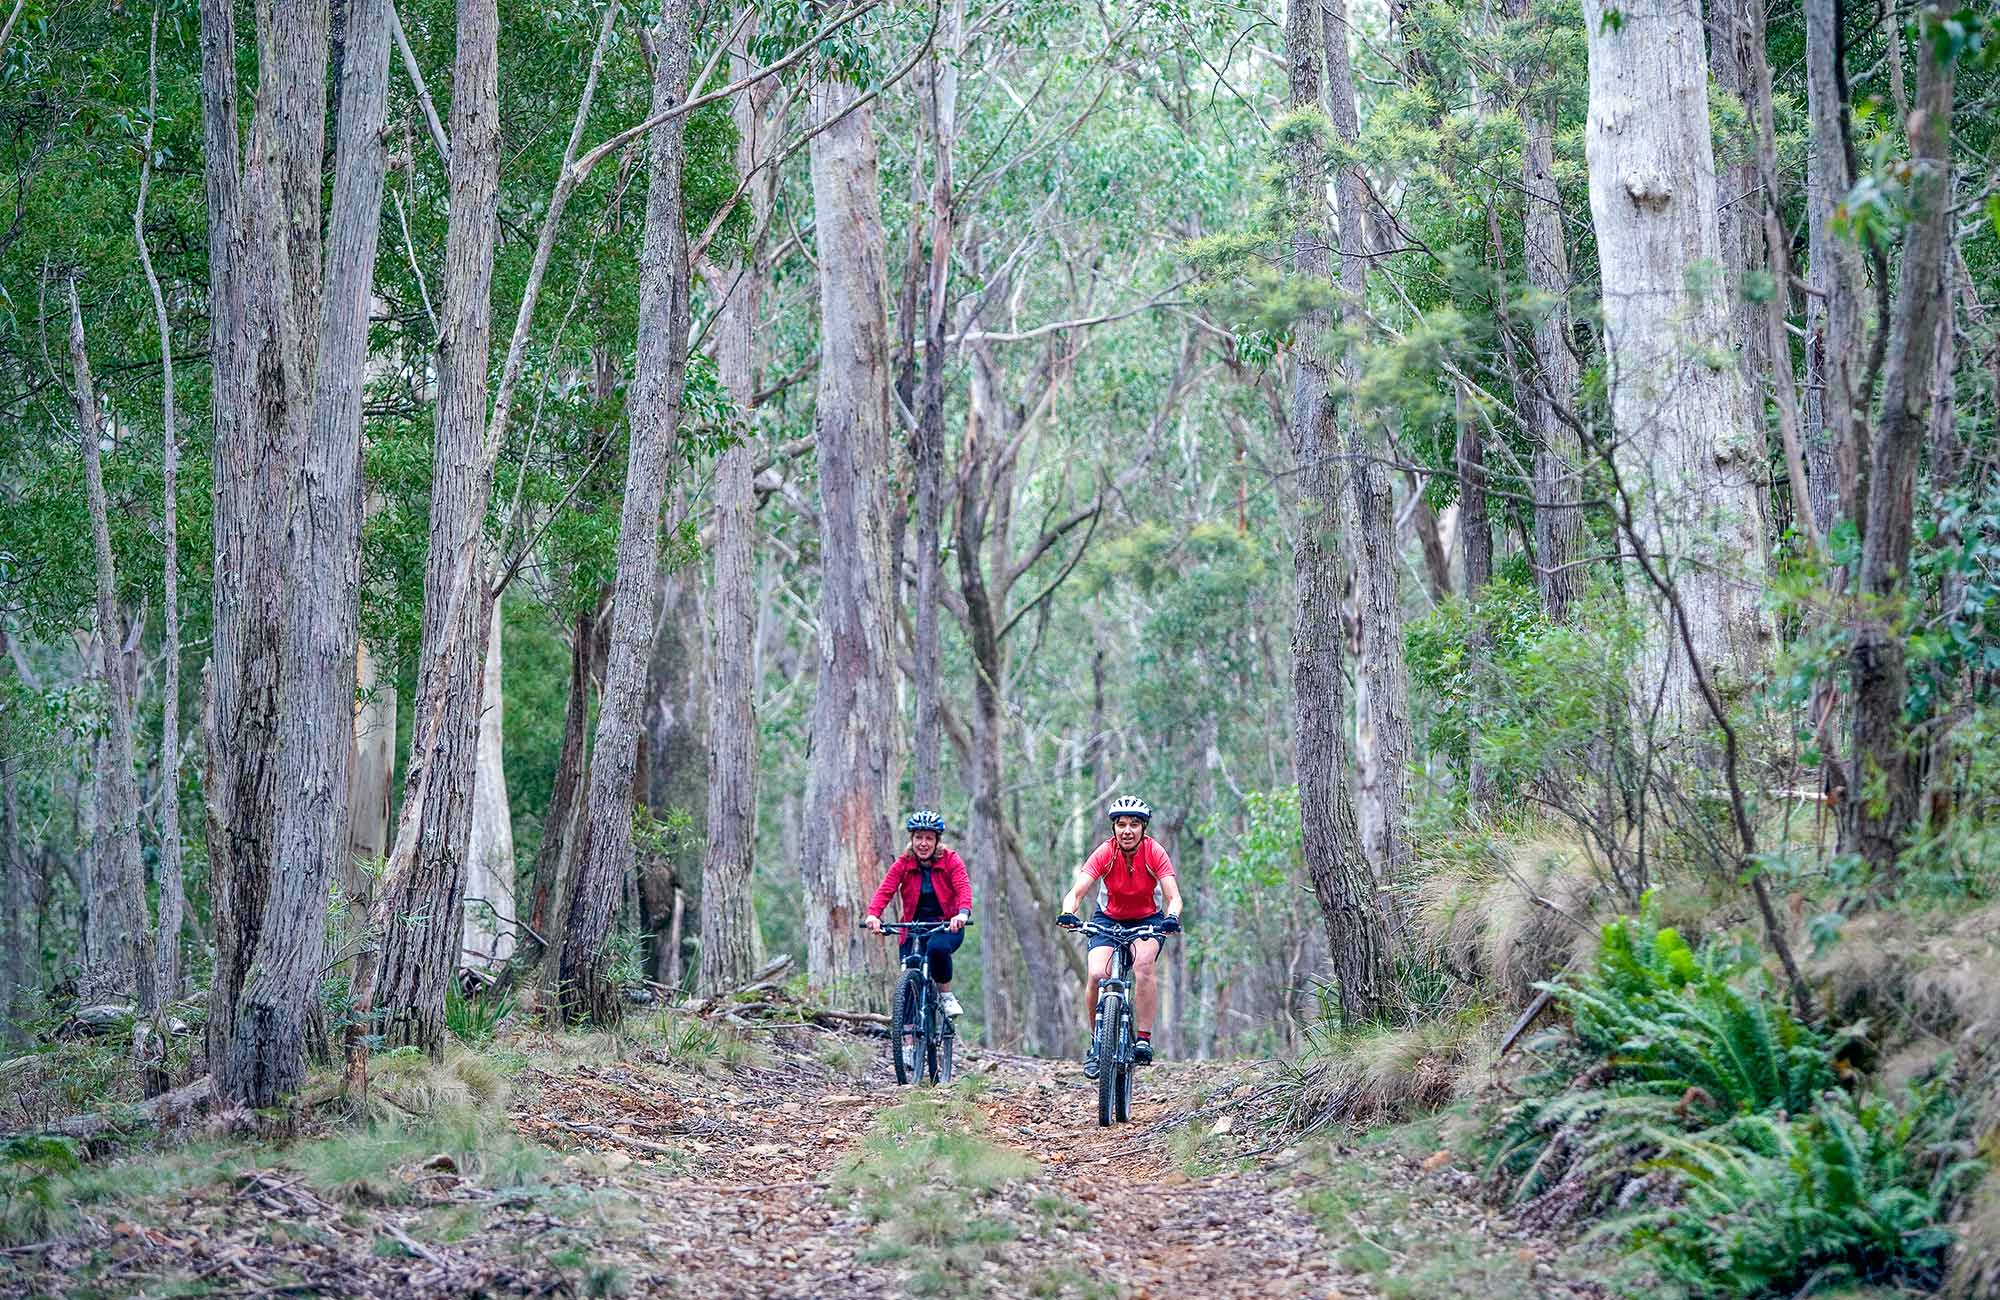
(925, 1179)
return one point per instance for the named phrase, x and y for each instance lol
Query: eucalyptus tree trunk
(419, 906)
(173, 893)
(1735, 38)
(941, 112)
(1835, 327)
(562, 822)
(1356, 933)
(488, 937)
(267, 1058)
(117, 949)
(1885, 758)
(1382, 683)
(258, 376)
(1683, 453)
(371, 782)
(728, 920)
(581, 962)
(1558, 450)
(853, 730)
(1476, 537)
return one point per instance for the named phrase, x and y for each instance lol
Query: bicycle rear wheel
(1110, 1012)
(906, 1030)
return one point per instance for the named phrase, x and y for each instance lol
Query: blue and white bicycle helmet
(923, 819)
(1130, 806)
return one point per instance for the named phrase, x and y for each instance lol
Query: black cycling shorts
(1104, 940)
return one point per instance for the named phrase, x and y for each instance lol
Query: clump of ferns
(1663, 1042)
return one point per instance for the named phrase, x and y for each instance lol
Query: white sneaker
(950, 1004)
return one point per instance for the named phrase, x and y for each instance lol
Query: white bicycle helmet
(1130, 806)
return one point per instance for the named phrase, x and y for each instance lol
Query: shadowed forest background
(504, 509)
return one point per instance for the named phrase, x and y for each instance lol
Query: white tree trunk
(489, 884)
(1677, 403)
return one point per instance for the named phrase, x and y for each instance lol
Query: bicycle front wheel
(1110, 1019)
(906, 1029)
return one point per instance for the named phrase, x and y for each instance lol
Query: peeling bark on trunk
(1887, 769)
(1382, 685)
(278, 1006)
(255, 378)
(1681, 444)
(420, 906)
(582, 961)
(488, 938)
(1357, 938)
(853, 728)
(117, 946)
(728, 921)
(560, 825)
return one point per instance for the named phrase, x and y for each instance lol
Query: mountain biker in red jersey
(1131, 864)
(934, 887)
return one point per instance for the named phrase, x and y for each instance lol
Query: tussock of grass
(921, 1178)
(1514, 915)
(693, 1043)
(1377, 1075)
(845, 1056)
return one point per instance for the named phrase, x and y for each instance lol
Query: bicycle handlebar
(919, 925)
(1125, 933)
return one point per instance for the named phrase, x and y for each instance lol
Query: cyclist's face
(924, 843)
(1128, 830)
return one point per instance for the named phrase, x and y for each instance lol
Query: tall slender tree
(1356, 936)
(420, 904)
(653, 405)
(727, 919)
(117, 952)
(267, 1058)
(853, 728)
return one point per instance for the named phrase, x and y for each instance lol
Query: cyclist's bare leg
(1100, 968)
(1145, 983)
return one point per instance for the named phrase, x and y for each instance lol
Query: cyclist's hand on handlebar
(1069, 921)
(1172, 925)
(873, 922)
(956, 924)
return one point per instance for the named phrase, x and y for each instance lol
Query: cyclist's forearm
(1170, 894)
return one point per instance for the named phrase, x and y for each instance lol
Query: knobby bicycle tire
(909, 998)
(1110, 1010)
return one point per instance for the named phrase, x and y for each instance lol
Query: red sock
(1145, 1035)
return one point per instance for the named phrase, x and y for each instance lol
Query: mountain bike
(1113, 1032)
(921, 1035)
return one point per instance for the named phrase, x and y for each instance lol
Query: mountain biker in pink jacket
(1131, 866)
(934, 887)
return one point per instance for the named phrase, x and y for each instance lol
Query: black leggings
(939, 947)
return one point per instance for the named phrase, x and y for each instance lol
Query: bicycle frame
(1115, 990)
(937, 1028)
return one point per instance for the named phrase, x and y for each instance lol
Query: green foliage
(30, 1167)
(1856, 1191)
(1535, 697)
(1663, 1040)
(475, 1020)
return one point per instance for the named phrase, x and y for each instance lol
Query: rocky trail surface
(788, 1164)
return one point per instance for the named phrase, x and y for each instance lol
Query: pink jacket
(948, 878)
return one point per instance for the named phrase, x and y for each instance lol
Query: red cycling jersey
(1129, 879)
